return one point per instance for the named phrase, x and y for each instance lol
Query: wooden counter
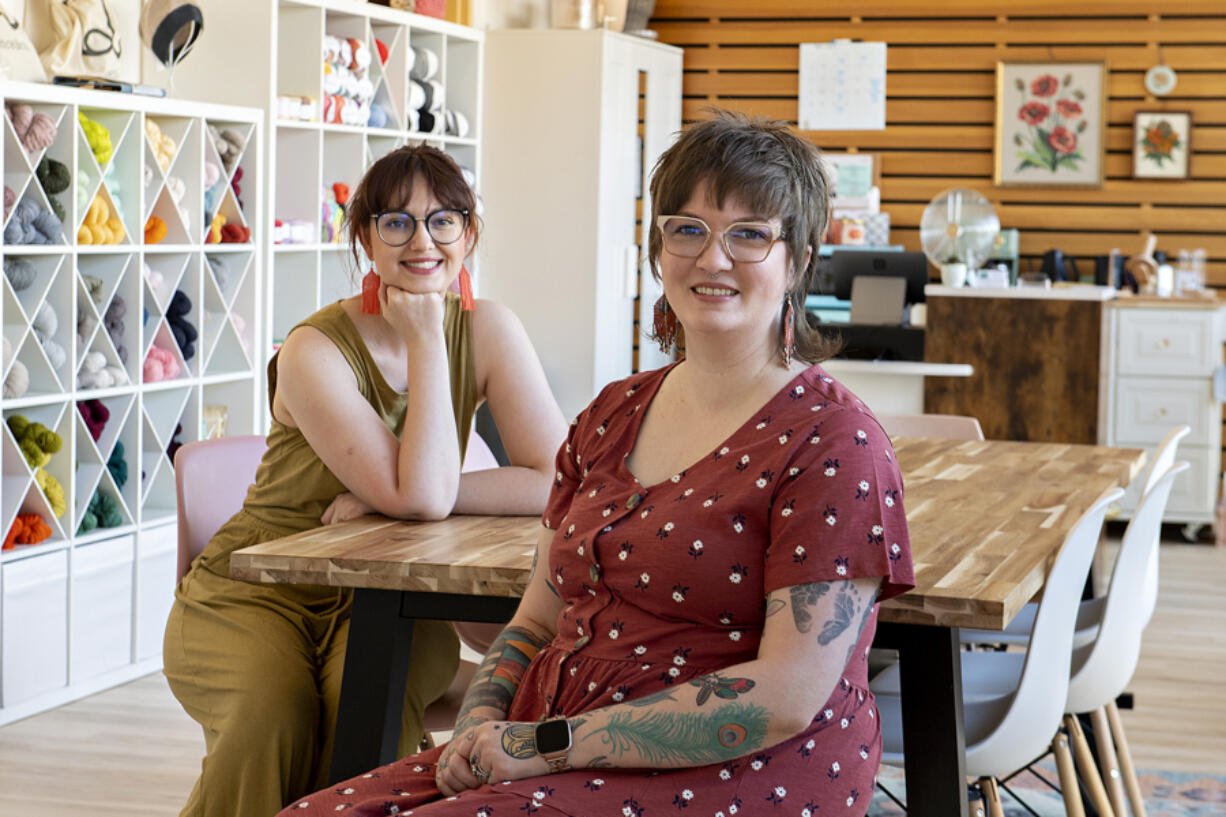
(1036, 362)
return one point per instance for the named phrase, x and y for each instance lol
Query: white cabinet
(278, 53)
(1158, 366)
(33, 627)
(577, 120)
(157, 562)
(100, 607)
(95, 359)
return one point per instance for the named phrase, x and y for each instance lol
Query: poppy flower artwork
(1049, 123)
(1160, 147)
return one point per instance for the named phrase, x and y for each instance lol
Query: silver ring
(478, 772)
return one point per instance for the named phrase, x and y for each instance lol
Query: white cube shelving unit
(305, 158)
(81, 611)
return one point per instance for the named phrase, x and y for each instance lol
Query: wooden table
(986, 519)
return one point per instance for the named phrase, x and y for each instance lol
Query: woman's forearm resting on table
(513, 490)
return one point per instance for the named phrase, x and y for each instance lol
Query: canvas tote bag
(84, 42)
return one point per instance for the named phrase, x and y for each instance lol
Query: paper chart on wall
(842, 86)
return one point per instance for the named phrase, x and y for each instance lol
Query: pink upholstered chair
(951, 426)
(211, 482)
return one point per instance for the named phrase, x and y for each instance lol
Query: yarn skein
(20, 272)
(183, 330)
(95, 414)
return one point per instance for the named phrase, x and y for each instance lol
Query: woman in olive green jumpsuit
(372, 400)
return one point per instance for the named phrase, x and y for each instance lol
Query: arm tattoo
(725, 688)
(519, 741)
(774, 606)
(844, 609)
(686, 738)
(536, 555)
(498, 677)
(868, 609)
(805, 596)
(654, 698)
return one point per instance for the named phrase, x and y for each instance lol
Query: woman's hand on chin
(415, 316)
(346, 506)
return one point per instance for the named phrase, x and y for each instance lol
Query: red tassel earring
(370, 292)
(664, 325)
(789, 331)
(466, 291)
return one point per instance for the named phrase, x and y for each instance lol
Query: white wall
(510, 13)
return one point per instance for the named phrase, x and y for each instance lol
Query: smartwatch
(553, 742)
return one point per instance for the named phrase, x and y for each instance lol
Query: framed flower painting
(1160, 144)
(1050, 123)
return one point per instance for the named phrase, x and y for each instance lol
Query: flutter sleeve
(568, 464)
(838, 512)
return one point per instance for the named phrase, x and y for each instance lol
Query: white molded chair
(952, 426)
(1090, 612)
(1103, 667)
(1006, 731)
(211, 482)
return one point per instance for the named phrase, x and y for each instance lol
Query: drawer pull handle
(1166, 342)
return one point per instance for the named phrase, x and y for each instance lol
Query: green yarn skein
(99, 138)
(117, 465)
(53, 176)
(37, 442)
(102, 512)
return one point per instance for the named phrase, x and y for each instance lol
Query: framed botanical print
(1050, 123)
(1161, 144)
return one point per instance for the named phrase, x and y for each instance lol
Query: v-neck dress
(666, 583)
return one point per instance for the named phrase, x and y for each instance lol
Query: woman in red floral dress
(695, 638)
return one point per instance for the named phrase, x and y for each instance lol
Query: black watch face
(552, 736)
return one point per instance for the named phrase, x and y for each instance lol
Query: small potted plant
(953, 272)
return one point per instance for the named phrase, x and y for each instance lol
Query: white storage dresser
(85, 607)
(1159, 359)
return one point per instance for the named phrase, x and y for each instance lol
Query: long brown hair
(389, 182)
(767, 167)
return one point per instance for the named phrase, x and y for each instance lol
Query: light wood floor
(131, 750)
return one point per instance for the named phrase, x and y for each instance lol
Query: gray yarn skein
(114, 325)
(20, 272)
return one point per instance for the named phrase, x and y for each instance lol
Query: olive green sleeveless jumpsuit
(258, 666)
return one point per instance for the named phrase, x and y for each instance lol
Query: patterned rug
(1167, 794)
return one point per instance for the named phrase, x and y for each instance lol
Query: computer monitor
(911, 266)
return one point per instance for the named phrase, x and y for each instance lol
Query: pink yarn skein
(160, 365)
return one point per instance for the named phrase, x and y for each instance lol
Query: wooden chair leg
(1086, 767)
(1068, 776)
(1125, 757)
(991, 796)
(1107, 762)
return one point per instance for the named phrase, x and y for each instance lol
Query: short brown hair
(389, 182)
(771, 170)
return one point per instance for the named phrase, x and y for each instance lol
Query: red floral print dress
(665, 583)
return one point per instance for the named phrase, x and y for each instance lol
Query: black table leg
(377, 664)
(934, 740)
(372, 687)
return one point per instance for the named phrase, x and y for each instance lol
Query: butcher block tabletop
(986, 520)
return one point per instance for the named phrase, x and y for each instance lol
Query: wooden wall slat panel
(947, 8)
(949, 32)
(964, 58)
(940, 107)
(979, 84)
(943, 163)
